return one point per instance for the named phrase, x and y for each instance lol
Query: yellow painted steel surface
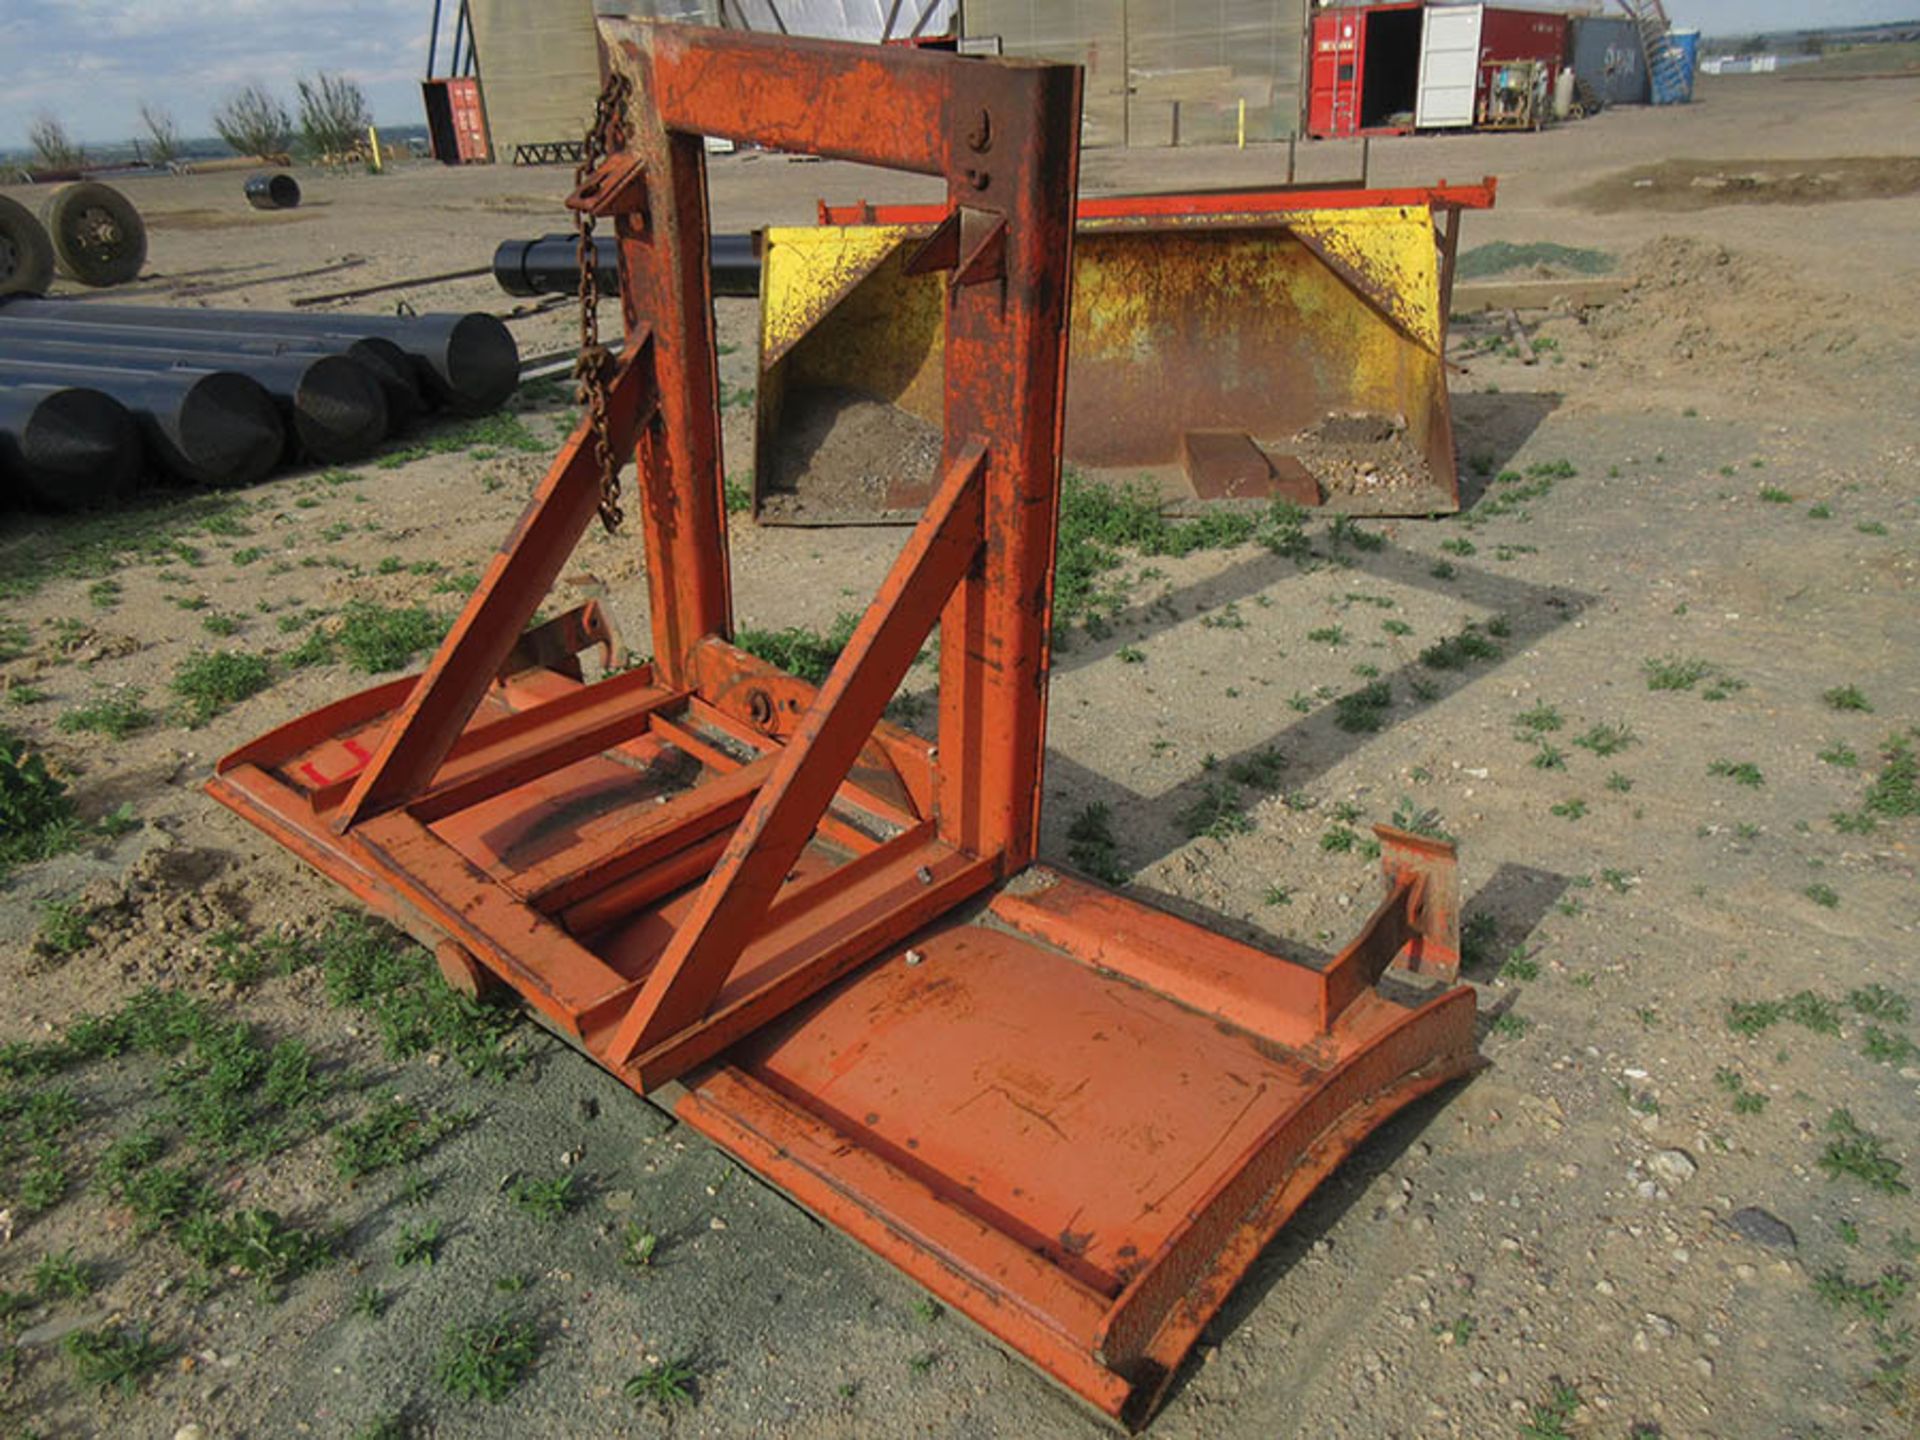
(1264, 326)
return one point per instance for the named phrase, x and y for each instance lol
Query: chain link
(594, 364)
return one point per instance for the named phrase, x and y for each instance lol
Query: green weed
(1860, 1154)
(550, 1199)
(1216, 813)
(256, 1243)
(668, 1386)
(1847, 697)
(1774, 495)
(1541, 719)
(105, 1359)
(637, 1246)
(418, 1244)
(1364, 710)
(212, 683)
(61, 1277)
(1871, 1299)
(488, 1360)
(1572, 809)
(394, 1132)
(1823, 895)
(66, 927)
(1881, 1003)
(379, 638)
(1092, 846)
(1841, 755)
(1743, 772)
(1604, 740)
(1456, 652)
(116, 715)
(804, 654)
(36, 813)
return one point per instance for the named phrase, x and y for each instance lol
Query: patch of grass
(1881, 1003)
(1217, 813)
(1572, 809)
(370, 967)
(1820, 511)
(1260, 770)
(1887, 1047)
(549, 1199)
(1840, 755)
(379, 638)
(1548, 756)
(1859, 1154)
(1823, 895)
(105, 594)
(1541, 719)
(1745, 1101)
(668, 1386)
(1458, 1331)
(1870, 527)
(804, 654)
(1328, 635)
(108, 1359)
(394, 1132)
(211, 683)
(1674, 672)
(85, 547)
(1500, 256)
(418, 1244)
(1847, 697)
(1871, 1299)
(36, 813)
(488, 1360)
(1456, 652)
(638, 1245)
(116, 715)
(61, 1277)
(1895, 792)
(1774, 495)
(1511, 1024)
(220, 625)
(1604, 739)
(257, 1243)
(369, 1302)
(1364, 710)
(1550, 1419)
(1092, 846)
(738, 495)
(1130, 655)
(66, 926)
(1519, 965)
(1743, 772)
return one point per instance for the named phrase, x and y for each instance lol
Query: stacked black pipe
(93, 398)
(550, 265)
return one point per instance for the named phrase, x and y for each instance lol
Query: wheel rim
(97, 232)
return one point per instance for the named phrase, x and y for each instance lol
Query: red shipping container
(1365, 61)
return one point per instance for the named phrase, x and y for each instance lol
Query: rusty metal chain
(594, 364)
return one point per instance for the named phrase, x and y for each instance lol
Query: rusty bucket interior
(820, 939)
(1226, 347)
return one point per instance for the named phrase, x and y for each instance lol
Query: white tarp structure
(868, 20)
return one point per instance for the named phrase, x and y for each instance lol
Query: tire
(98, 237)
(26, 253)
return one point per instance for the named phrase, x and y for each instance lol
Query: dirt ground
(1623, 1227)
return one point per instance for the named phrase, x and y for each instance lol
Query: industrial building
(521, 74)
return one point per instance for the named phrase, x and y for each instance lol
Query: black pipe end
(80, 448)
(230, 432)
(272, 190)
(339, 412)
(483, 365)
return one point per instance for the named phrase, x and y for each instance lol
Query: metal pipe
(332, 407)
(67, 447)
(272, 190)
(467, 362)
(548, 265)
(211, 428)
(397, 375)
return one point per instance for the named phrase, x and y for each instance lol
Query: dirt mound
(1698, 302)
(1703, 184)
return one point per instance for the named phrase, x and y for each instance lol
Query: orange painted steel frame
(1074, 1118)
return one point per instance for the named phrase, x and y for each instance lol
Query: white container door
(1449, 67)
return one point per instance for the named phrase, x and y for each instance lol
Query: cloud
(92, 62)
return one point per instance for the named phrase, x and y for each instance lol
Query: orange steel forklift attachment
(818, 938)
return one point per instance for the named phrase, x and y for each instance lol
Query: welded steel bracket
(1074, 1118)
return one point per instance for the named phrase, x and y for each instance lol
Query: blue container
(1672, 72)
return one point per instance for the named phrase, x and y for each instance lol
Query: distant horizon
(91, 63)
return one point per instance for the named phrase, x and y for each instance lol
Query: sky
(91, 62)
